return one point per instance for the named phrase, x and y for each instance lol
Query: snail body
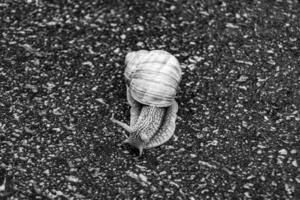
(152, 79)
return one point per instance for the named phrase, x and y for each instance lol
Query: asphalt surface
(61, 78)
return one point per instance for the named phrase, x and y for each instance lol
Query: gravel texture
(61, 78)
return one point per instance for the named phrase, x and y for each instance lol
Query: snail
(152, 79)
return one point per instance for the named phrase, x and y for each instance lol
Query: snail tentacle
(122, 124)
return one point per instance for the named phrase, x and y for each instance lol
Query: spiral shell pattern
(153, 77)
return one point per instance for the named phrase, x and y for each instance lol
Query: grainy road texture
(61, 77)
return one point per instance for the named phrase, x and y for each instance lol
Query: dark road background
(61, 78)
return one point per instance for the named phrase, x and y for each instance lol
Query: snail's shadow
(150, 159)
(131, 149)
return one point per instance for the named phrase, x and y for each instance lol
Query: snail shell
(153, 77)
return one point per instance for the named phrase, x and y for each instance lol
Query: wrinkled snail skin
(146, 126)
(167, 129)
(152, 79)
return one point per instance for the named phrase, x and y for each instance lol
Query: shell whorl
(153, 77)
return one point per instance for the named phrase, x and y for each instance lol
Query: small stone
(37, 189)
(230, 25)
(199, 135)
(243, 88)
(259, 151)
(153, 188)
(3, 5)
(141, 167)
(271, 62)
(205, 129)
(173, 183)
(294, 163)
(51, 23)
(28, 130)
(293, 151)
(213, 143)
(180, 150)
(273, 183)
(191, 67)
(244, 62)
(163, 173)
(117, 50)
(210, 47)
(50, 86)
(140, 44)
(56, 129)
(175, 138)
(32, 87)
(248, 185)
(242, 78)
(283, 152)
(123, 36)
(143, 178)
(132, 175)
(101, 100)
(289, 188)
(59, 193)
(141, 28)
(2, 187)
(247, 194)
(95, 88)
(172, 7)
(193, 155)
(89, 63)
(73, 179)
(142, 191)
